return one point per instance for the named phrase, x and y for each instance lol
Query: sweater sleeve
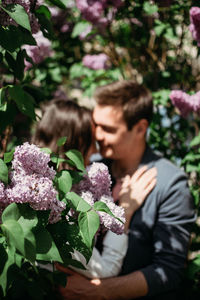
(108, 263)
(171, 236)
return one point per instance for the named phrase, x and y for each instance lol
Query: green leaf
(191, 157)
(76, 70)
(194, 267)
(16, 63)
(77, 159)
(78, 203)
(159, 29)
(46, 150)
(61, 141)
(12, 38)
(3, 102)
(9, 262)
(11, 212)
(3, 172)
(28, 218)
(57, 160)
(195, 141)
(79, 28)
(8, 156)
(64, 181)
(88, 224)
(101, 206)
(46, 248)
(59, 3)
(23, 100)
(14, 234)
(44, 11)
(150, 8)
(44, 17)
(18, 14)
(192, 168)
(7, 117)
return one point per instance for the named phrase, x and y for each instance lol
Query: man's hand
(79, 287)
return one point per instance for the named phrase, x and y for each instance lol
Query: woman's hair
(64, 118)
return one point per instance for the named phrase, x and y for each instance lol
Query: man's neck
(127, 165)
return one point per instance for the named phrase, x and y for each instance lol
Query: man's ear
(141, 127)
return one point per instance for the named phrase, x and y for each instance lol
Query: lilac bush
(184, 102)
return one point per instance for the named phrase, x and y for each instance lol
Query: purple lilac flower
(38, 192)
(3, 201)
(96, 62)
(29, 159)
(110, 222)
(40, 52)
(195, 23)
(97, 181)
(6, 20)
(31, 182)
(2, 192)
(96, 187)
(94, 10)
(91, 9)
(184, 102)
(88, 197)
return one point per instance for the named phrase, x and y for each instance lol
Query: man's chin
(106, 153)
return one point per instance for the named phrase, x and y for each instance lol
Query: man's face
(114, 139)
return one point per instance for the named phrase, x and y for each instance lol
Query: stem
(5, 140)
(117, 59)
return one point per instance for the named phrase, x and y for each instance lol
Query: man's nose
(99, 133)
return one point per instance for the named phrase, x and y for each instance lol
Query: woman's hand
(135, 189)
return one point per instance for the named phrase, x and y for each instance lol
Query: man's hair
(135, 100)
(64, 118)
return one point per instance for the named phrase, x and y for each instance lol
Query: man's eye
(109, 129)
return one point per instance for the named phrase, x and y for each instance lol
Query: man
(160, 230)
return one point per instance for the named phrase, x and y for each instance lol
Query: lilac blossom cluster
(184, 102)
(28, 5)
(31, 182)
(195, 23)
(40, 52)
(96, 187)
(96, 62)
(99, 12)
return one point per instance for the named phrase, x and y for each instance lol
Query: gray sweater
(159, 231)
